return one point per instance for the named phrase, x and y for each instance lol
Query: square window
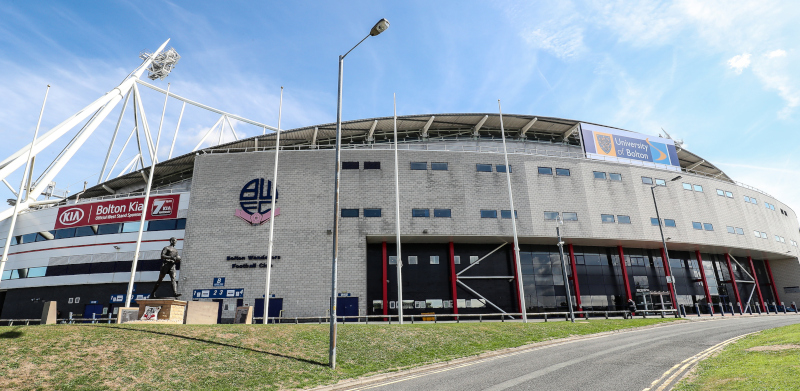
(502, 168)
(746, 199)
(393, 260)
(669, 223)
(697, 225)
(570, 216)
(457, 259)
(81, 231)
(777, 239)
(473, 259)
(757, 234)
(488, 214)
(65, 233)
(419, 166)
(545, 171)
(161, 225)
(653, 221)
(782, 241)
(647, 181)
(607, 218)
(132, 226)
(622, 219)
(562, 171)
(441, 213)
(687, 186)
(728, 194)
(551, 215)
(412, 259)
(434, 259)
(350, 165)
(349, 212)
(106, 229)
(763, 235)
(739, 231)
(720, 193)
(661, 182)
(506, 214)
(615, 177)
(698, 188)
(730, 230)
(753, 201)
(439, 166)
(37, 272)
(599, 175)
(483, 167)
(372, 212)
(372, 165)
(420, 213)
(708, 227)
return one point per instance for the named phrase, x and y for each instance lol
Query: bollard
(502, 319)
(566, 317)
(586, 315)
(606, 314)
(740, 308)
(784, 308)
(435, 319)
(480, 318)
(644, 316)
(758, 308)
(775, 307)
(662, 314)
(545, 317)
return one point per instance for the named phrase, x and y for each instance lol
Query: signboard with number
(219, 282)
(217, 293)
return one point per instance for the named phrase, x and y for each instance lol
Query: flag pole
(274, 210)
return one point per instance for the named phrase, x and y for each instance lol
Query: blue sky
(721, 75)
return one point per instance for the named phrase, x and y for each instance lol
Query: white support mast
(397, 220)
(274, 196)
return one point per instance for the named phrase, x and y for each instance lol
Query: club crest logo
(605, 144)
(255, 200)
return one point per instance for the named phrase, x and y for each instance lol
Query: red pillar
(453, 278)
(575, 277)
(772, 282)
(703, 276)
(385, 282)
(516, 282)
(733, 279)
(758, 287)
(671, 287)
(624, 274)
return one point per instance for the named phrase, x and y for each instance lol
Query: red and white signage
(117, 211)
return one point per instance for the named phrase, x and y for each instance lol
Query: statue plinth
(171, 310)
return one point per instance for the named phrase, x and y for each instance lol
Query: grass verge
(768, 360)
(228, 357)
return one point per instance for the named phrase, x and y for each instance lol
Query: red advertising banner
(117, 211)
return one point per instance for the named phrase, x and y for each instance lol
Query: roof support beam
(370, 137)
(478, 126)
(426, 127)
(108, 189)
(571, 131)
(314, 137)
(693, 166)
(9, 187)
(527, 127)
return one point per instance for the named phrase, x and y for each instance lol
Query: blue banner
(217, 293)
(604, 143)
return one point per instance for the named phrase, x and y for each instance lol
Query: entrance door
(275, 308)
(219, 310)
(347, 306)
(93, 311)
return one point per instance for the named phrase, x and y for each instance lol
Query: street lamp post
(671, 278)
(379, 27)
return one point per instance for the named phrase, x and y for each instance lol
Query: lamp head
(379, 27)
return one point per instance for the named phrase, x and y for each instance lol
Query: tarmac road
(633, 360)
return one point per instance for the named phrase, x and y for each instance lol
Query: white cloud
(777, 53)
(775, 72)
(555, 27)
(739, 63)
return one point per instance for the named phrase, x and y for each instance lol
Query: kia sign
(117, 211)
(604, 143)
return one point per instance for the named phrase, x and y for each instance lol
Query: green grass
(98, 357)
(737, 368)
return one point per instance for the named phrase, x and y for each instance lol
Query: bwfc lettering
(256, 202)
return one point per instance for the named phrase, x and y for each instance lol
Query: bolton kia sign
(117, 211)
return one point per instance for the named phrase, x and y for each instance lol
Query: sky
(717, 74)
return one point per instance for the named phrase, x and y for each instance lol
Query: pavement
(651, 359)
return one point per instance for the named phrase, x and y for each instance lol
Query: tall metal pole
(397, 219)
(161, 123)
(564, 272)
(337, 171)
(666, 253)
(114, 137)
(520, 286)
(274, 209)
(21, 187)
(175, 136)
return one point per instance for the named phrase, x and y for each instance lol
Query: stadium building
(598, 183)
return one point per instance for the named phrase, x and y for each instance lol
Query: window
(439, 166)
(65, 233)
(412, 259)
(106, 229)
(562, 171)
(130, 227)
(441, 213)
(545, 171)
(84, 231)
(28, 238)
(473, 259)
(669, 223)
(697, 225)
(615, 177)
(599, 175)
(372, 165)
(420, 213)
(349, 212)
(728, 194)
(687, 186)
(488, 214)
(653, 221)
(37, 272)
(746, 199)
(551, 215)
(161, 225)
(730, 230)
(763, 235)
(506, 214)
(698, 188)
(419, 166)
(483, 167)
(739, 231)
(434, 259)
(753, 201)
(393, 260)
(660, 182)
(457, 259)
(708, 227)
(757, 234)
(647, 181)
(782, 241)
(777, 238)
(607, 218)
(720, 193)
(622, 219)
(350, 165)
(570, 216)
(372, 212)
(502, 168)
